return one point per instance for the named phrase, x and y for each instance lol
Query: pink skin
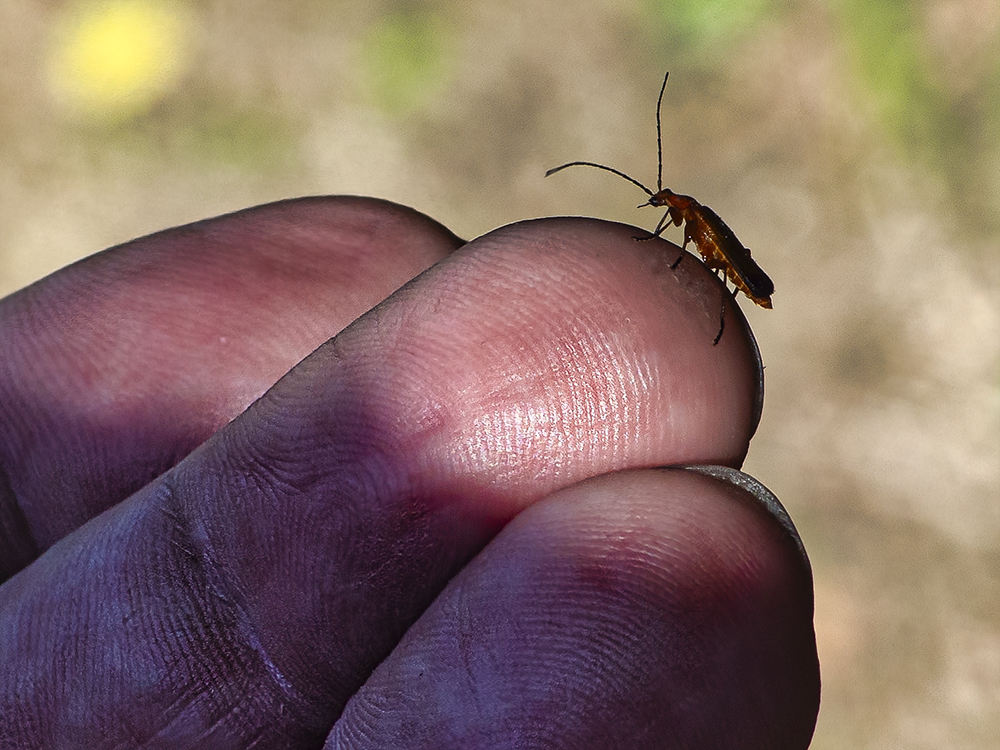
(245, 595)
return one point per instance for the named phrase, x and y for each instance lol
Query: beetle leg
(722, 324)
(722, 312)
(661, 225)
(656, 232)
(689, 234)
(688, 237)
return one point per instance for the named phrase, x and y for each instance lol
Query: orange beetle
(716, 242)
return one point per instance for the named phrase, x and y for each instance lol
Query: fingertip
(764, 498)
(653, 609)
(599, 271)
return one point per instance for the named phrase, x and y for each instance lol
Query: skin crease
(131, 358)
(244, 596)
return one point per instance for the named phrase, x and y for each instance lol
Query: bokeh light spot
(113, 60)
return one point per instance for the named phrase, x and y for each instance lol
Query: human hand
(441, 529)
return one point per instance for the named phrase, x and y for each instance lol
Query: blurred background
(853, 145)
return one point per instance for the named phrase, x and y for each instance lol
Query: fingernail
(759, 396)
(763, 495)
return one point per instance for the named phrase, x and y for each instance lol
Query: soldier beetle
(718, 245)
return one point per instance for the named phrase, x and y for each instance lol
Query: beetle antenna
(659, 137)
(606, 169)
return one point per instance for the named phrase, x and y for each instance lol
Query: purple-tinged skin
(114, 369)
(445, 518)
(631, 610)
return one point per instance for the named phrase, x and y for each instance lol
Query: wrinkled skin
(443, 528)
